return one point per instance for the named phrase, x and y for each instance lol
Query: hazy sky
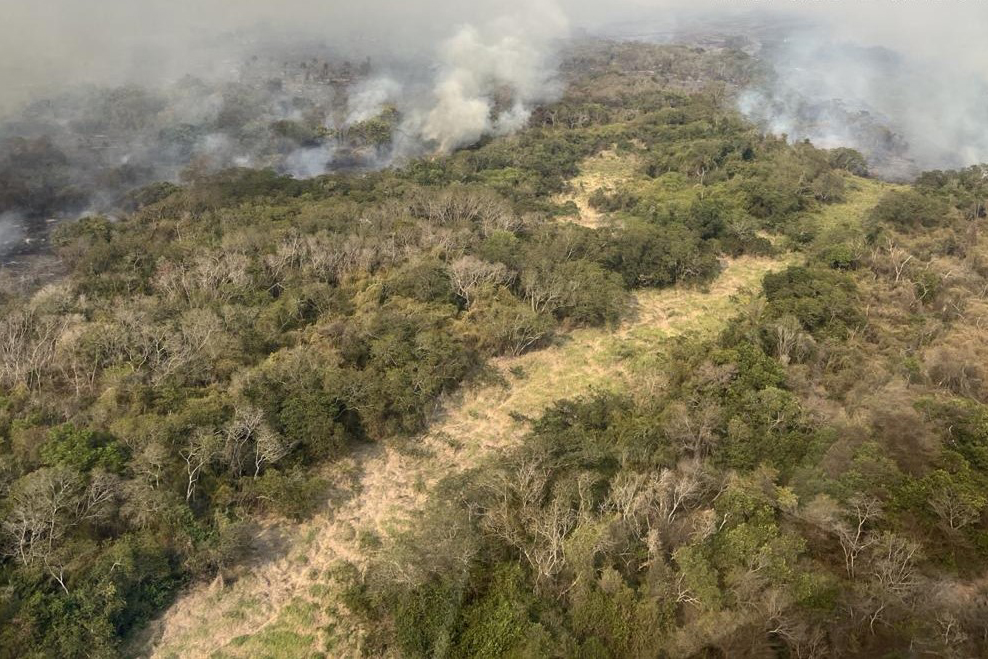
(46, 45)
(50, 42)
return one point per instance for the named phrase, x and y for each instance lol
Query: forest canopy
(810, 480)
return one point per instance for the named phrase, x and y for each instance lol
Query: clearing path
(604, 171)
(285, 603)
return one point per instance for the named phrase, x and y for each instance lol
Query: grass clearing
(862, 195)
(608, 169)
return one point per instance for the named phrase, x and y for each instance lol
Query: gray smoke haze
(904, 81)
(46, 45)
(905, 109)
(443, 65)
(105, 95)
(11, 233)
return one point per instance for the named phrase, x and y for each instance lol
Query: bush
(824, 301)
(503, 325)
(849, 160)
(579, 291)
(293, 494)
(909, 209)
(83, 449)
(496, 623)
(645, 254)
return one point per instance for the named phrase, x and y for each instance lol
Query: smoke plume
(151, 91)
(508, 54)
(905, 111)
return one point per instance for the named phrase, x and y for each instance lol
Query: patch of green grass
(861, 196)
(281, 638)
(242, 609)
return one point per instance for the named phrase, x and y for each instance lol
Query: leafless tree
(804, 641)
(650, 502)
(456, 205)
(149, 462)
(892, 259)
(142, 505)
(28, 342)
(195, 341)
(893, 573)
(269, 447)
(240, 436)
(83, 350)
(247, 439)
(957, 363)
(791, 342)
(210, 276)
(289, 255)
(519, 517)
(545, 287)
(954, 507)
(633, 496)
(43, 507)
(468, 273)
(679, 488)
(96, 502)
(855, 534)
(692, 427)
(201, 449)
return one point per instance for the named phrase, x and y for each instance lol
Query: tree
(202, 448)
(894, 577)
(269, 448)
(646, 254)
(955, 498)
(517, 515)
(855, 531)
(504, 325)
(849, 160)
(43, 507)
(578, 290)
(892, 259)
(693, 428)
(823, 300)
(468, 273)
(28, 343)
(247, 438)
(791, 342)
(909, 209)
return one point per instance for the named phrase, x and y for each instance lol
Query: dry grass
(607, 170)
(286, 604)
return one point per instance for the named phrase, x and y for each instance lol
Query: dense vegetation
(812, 482)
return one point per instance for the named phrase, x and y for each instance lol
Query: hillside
(636, 380)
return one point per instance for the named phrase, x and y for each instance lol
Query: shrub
(909, 209)
(824, 301)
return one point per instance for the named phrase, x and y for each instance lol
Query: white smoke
(312, 161)
(368, 98)
(510, 53)
(11, 232)
(905, 111)
(457, 71)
